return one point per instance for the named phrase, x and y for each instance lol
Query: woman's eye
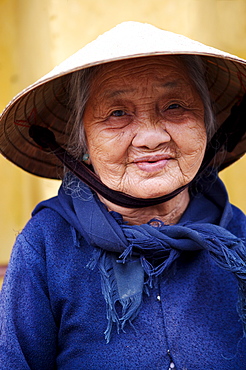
(174, 106)
(118, 113)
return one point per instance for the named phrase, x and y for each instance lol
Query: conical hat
(44, 103)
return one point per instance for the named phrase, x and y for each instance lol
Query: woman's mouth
(152, 163)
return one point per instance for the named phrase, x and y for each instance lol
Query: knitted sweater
(53, 313)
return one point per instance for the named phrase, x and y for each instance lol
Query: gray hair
(79, 89)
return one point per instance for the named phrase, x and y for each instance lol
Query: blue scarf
(131, 258)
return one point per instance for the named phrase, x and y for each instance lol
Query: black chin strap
(228, 135)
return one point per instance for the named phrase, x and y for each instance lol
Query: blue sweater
(53, 313)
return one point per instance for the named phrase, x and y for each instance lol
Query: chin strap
(228, 135)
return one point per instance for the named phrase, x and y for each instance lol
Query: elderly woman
(139, 262)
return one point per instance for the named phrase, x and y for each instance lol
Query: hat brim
(45, 102)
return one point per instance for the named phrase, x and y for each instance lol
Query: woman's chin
(149, 194)
(145, 188)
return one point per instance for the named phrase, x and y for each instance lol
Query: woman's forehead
(158, 61)
(125, 72)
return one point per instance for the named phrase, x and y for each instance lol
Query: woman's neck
(169, 212)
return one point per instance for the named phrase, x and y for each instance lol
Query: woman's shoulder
(47, 232)
(237, 225)
(49, 236)
(46, 222)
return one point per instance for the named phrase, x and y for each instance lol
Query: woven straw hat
(44, 103)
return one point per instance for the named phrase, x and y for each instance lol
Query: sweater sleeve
(27, 328)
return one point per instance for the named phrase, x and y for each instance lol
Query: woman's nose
(150, 136)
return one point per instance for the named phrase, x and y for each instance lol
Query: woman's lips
(152, 163)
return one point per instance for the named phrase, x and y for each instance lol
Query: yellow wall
(35, 35)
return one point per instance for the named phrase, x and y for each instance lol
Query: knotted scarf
(131, 258)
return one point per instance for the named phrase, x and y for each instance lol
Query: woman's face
(144, 125)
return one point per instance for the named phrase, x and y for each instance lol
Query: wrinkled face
(144, 124)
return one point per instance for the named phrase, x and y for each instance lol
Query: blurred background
(36, 35)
